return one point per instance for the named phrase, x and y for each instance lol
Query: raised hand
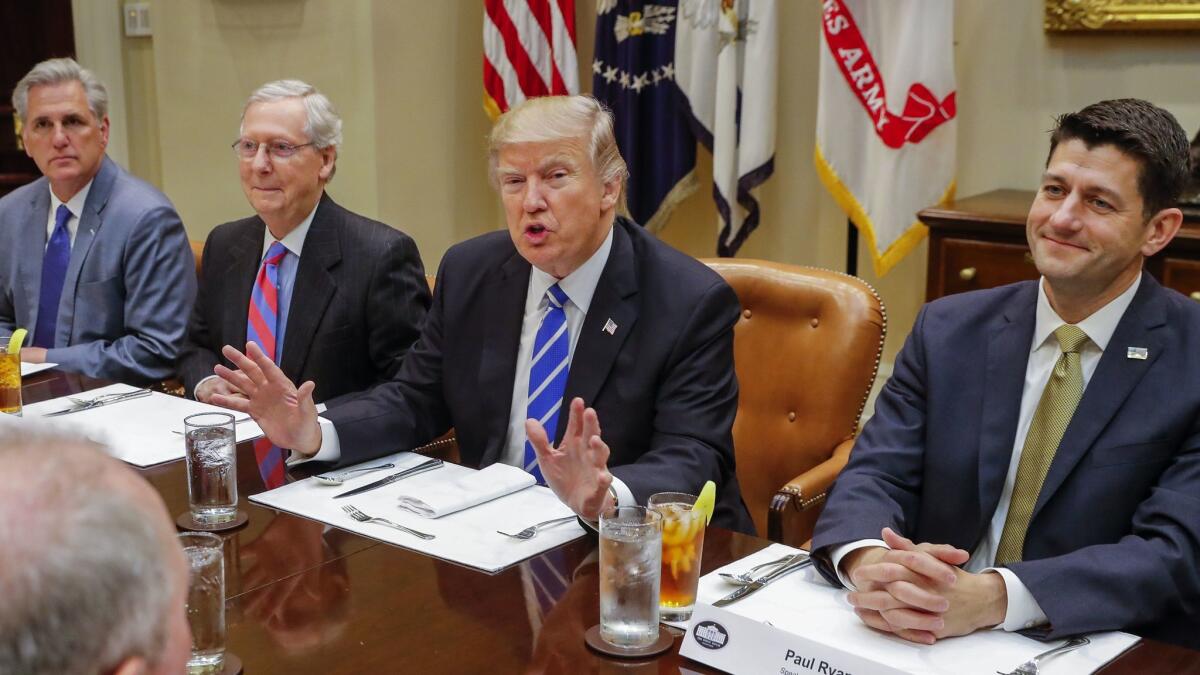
(213, 386)
(286, 414)
(577, 470)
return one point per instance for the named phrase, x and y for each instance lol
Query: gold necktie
(1057, 405)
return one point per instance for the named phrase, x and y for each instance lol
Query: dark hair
(1142, 130)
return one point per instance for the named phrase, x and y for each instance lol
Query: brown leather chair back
(197, 253)
(806, 352)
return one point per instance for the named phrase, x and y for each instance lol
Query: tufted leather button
(792, 416)
(746, 313)
(815, 322)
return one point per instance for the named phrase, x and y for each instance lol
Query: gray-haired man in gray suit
(94, 262)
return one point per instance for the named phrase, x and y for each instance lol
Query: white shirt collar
(579, 285)
(294, 240)
(74, 204)
(1099, 326)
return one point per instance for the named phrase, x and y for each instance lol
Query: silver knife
(763, 581)
(99, 401)
(411, 471)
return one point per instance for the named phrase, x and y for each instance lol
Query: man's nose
(535, 200)
(262, 159)
(1066, 215)
(59, 137)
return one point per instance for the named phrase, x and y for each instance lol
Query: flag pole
(851, 248)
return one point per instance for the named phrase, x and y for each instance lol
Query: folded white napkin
(439, 498)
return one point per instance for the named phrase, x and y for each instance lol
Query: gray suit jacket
(129, 286)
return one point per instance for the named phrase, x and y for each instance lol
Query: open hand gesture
(577, 470)
(286, 414)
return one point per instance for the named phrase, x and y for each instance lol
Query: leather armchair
(806, 352)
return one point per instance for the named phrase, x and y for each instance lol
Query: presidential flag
(633, 74)
(885, 116)
(528, 50)
(726, 64)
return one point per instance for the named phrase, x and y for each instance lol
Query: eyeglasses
(247, 149)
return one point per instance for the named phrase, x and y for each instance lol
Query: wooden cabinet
(979, 242)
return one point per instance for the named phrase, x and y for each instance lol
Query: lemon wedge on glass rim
(706, 501)
(16, 340)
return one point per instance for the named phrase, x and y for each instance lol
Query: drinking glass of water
(630, 560)
(211, 451)
(205, 600)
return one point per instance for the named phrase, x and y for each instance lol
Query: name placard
(737, 644)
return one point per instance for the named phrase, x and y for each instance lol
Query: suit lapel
(90, 222)
(33, 250)
(313, 290)
(1007, 358)
(241, 268)
(1115, 377)
(503, 306)
(614, 300)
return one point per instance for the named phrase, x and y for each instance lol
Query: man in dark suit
(93, 262)
(1041, 441)
(349, 293)
(572, 304)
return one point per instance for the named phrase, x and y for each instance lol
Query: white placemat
(28, 369)
(468, 537)
(139, 431)
(805, 604)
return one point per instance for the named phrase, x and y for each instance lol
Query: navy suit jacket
(1115, 535)
(130, 282)
(662, 383)
(357, 305)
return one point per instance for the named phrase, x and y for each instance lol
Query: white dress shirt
(1023, 610)
(579, 286)
(74, 205)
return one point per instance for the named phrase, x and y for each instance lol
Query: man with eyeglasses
(93, 262)
(329, 295)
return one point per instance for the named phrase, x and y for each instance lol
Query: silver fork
(747, 577)
(531, 531)
(364, 518)
(1030, 667)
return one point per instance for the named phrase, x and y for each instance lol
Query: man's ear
(1161, 229)
(612, 192)
(132, 665)
(328, 161)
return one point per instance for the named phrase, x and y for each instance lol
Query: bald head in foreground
(92, 576)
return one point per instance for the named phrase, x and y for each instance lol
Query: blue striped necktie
(548, 373)
(262, 327)
(54, 273)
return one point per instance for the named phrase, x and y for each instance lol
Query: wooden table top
(304, 597)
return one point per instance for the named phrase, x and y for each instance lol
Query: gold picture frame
(1121, 15)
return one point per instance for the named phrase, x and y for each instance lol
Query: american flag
(528, 50)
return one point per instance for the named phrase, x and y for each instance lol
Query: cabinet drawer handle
(1195, 295)
(966, 273)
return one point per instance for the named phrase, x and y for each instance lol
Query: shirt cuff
(200, 383)
(331, 449)
(1023, 610)
(839, 552)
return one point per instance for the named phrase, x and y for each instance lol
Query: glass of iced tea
(682, 545)
(10, 380)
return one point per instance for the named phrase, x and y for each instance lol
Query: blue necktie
(54, 273)
(548, 373)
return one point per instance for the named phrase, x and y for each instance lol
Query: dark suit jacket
(129, 285)
(357, 305)
(1115, 536)
(663, 384)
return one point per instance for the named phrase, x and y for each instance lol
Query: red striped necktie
(262, 327)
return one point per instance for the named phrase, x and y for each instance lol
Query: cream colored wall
(406, 77)
(209, 55)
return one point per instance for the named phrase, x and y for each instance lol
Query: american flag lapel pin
(610, 327)
(1138, 353)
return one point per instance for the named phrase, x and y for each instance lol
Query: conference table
(304, 597)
